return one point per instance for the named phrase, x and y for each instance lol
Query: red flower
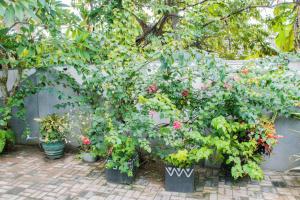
(245, 71)
(152, 89)
(185, 93)
(177, 125)
(260, 141)
(85, 140)
(275, 136)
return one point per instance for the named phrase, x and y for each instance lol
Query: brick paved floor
(26, 174)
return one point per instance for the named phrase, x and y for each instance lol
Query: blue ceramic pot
(54, 150)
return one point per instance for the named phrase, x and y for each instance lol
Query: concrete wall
(39, 105)
(281, 158)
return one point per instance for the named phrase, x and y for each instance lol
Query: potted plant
(87, 154)
(53, 130)
(179, 168)
(122, 159)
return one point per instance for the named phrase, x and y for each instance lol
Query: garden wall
(39, 105)
(44, 103)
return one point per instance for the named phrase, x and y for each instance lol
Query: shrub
(121, 153)
(53, 128)
(7, 137)
(204, 106)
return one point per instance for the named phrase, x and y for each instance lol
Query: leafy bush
(121, 153)
(190, 107)
(6, 137)
(219, 110)
(53, 128)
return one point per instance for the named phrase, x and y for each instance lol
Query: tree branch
(244, 9)
(156, 29)
(192, 5)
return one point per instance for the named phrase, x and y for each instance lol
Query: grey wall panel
(19, 125)
(288, 146)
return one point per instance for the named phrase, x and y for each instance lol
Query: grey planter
(280, 159)
(179, 179)
(88, 157)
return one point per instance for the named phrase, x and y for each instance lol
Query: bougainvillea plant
(173, 109)
(85, 144)
(209, 107)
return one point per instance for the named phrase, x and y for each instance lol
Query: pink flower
(278, 136)
(85, 140)
(151, 113)
(236, 78)
(152, 88)
(177, 125)
(185, 93)
(227, 86)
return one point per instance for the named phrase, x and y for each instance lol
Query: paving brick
(26, 174)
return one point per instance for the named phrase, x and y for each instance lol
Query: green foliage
(53, 128)
(223, 116)
(240, 148)
(121, 153)
(6, 137)
(207, 108)
(284, 25)
(185, 159)
(142, 58)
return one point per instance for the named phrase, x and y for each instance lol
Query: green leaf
(19, 12)
(285, 38)
(9, 16)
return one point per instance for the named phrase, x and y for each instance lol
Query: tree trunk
(3, 84)
(5, 92)
(297, 27)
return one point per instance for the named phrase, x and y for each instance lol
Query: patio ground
(26, 174)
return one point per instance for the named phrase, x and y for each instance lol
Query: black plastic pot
(179, 179)
(116, 176)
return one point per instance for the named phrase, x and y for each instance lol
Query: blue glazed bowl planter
(179, 179)
(54, 150)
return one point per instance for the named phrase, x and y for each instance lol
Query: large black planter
(179, 179)
(116, 176)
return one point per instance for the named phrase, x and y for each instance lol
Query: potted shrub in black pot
(122, 160)
(179, 169)
(53, 130)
